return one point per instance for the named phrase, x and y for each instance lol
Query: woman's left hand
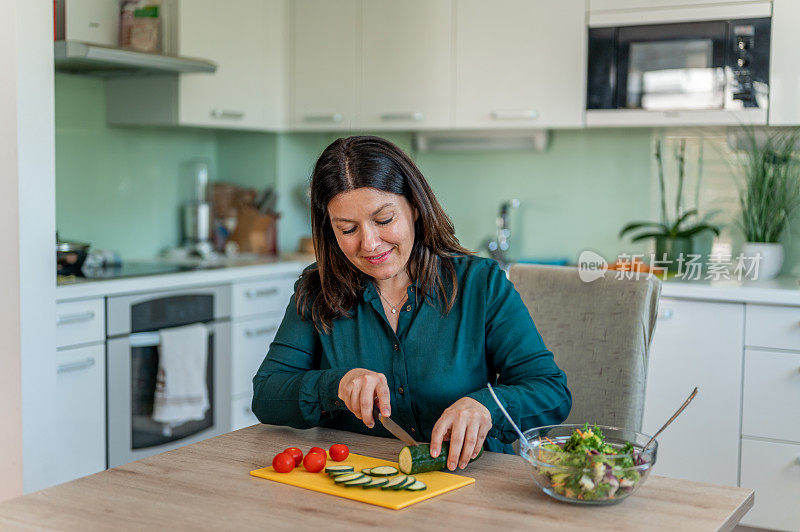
(465, 423)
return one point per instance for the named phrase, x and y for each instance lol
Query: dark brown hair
(331, 288)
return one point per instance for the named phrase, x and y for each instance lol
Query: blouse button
(412, 429)
(408, 307)
(337, 403)
(396, 347)
(400, 389)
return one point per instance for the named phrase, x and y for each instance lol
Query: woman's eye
(348, 231)
(385, 222)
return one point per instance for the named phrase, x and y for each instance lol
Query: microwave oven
(706, 72)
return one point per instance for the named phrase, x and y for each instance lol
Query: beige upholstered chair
(599, 333)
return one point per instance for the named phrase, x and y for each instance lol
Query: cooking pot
(70, 257)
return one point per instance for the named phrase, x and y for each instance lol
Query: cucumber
(334, 474)
(394, 482)
(358, 481)
(417, 486)
(338, 469)
(339, 479)
(382, 471)
(406, 483)
(376, 482)
(418, 459)
(367, 471)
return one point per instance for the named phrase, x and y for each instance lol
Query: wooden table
(206, 486)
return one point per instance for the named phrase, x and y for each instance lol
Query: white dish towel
(181, 392)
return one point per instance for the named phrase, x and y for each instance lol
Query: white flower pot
(771, 259)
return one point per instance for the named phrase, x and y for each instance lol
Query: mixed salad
(586, 467)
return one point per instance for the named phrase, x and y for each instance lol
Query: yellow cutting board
(438, 482)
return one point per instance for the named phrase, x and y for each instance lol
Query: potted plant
(674, 236)
(769, 197)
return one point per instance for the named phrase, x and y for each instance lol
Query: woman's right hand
(360, 388)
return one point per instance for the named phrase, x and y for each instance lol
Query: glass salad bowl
(585, 464)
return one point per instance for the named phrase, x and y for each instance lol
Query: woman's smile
(378, 259)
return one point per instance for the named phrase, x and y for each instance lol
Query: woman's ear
(416, 214)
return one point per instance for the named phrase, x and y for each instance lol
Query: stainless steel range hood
(91, 59)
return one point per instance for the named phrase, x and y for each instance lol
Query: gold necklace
(392, 307)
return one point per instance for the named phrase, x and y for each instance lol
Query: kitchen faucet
(497, 248)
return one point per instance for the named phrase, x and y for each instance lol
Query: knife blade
(394, 428)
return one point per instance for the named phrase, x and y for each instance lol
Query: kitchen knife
(393, 427)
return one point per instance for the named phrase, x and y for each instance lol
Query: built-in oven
(716, 69)
(133, 339)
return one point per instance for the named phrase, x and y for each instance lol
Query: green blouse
(432, 361)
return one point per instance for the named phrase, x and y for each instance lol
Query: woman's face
(374, 229)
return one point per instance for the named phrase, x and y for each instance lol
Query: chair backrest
(599, 333)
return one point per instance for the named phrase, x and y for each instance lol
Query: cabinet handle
(331, 118)
(74, 318)
(523, 114)
(252, 294)
(665, 314)
(222, 113)
(416, 116)
(260, 332)
(74, 366)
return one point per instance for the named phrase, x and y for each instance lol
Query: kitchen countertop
(285, 265)
(780, 291)
(207, 486)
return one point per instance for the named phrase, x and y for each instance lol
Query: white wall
(10, 383)
(36, 197)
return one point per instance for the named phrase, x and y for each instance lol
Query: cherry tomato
(318, 450)
(339, 452)
(296, 453)
(314, 462)
(283, 462)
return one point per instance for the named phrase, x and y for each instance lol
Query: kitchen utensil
(438, 482)
(670, 420)
(393, 427)
(70, 256)
(523, 443)
(586, 478)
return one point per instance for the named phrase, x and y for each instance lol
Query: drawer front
(771, 395)
(80, 322)
(772, 326)
(773, 471)
(80, 412)
(242, 415)
(262, 297)
(251, 339)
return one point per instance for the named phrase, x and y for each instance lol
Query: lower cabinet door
(773, 471)
(81, 411)
(696, 343)
(242, 415)
(251, 339)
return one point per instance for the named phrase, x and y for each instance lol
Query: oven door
(132, 371)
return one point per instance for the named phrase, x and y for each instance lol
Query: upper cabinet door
(784, 69)
(324, 57)
(520, 63)
(246, 40)
(406, 63)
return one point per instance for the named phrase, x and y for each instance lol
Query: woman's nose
(371, 240)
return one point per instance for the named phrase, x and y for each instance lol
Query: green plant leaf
(637, 225)
(698, 229)
(649, 234)
(683, 217)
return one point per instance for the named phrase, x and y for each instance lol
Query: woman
(395, 313)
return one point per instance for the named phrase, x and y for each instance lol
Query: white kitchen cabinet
(251, 339)
(784, 69)
(325, 43)
(242, 415)
(771, 378)
(697, 343)
(246, 39)
(80, 412)
(772, 469)
(520, 64)
(406, 64)
(80, 322)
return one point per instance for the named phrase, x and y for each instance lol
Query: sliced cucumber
(358, 481)
(367, 471)
(338, 468)
(408, 481)
(383, 471)
(394, 482)
(339, 479)
(375, 482)
(417, 486)
(418, 459)
(334, 474)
